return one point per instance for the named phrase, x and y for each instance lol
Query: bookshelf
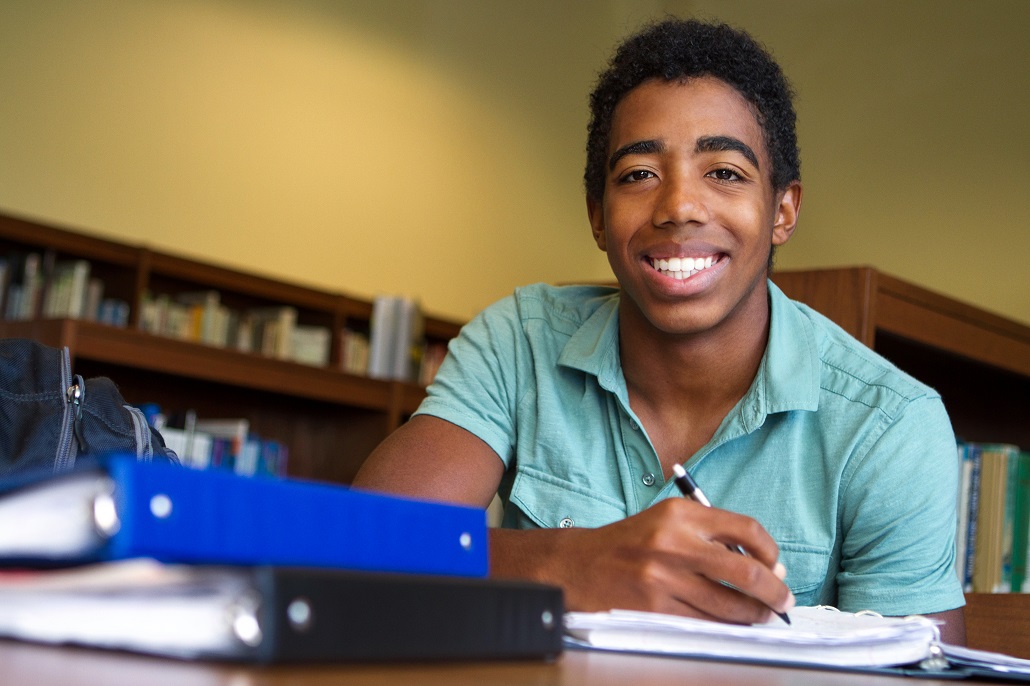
(978, 361)
(331, 420)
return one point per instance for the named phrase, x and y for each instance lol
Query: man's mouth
(683, 267)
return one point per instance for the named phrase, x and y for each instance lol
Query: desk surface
(33, 665)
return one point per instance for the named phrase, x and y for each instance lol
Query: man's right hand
(671, 558)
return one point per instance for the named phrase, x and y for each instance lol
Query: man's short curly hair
(684, 49)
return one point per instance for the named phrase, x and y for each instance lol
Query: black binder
(282, 614)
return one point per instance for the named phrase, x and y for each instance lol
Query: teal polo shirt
(849, 463)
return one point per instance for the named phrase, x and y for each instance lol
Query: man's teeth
(681, 267)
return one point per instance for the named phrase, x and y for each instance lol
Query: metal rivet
(161, 506)
(299, 614)
(566, 523)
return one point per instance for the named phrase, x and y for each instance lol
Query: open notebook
(817, 637)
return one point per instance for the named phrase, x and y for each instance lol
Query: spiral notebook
(818, 637)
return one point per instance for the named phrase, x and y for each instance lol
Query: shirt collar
(594, 347)
(788, 375)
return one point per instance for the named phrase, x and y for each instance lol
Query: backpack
(49, 417)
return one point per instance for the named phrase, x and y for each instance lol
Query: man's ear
(787, 209)
(595, 213)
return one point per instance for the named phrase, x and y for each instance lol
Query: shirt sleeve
(899, 519)
(476, 386)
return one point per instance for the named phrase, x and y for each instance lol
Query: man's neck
(682, 386)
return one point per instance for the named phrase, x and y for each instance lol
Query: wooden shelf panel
(947, 324)
(827, 289)
(999, 622)
(864, 301)
(44, 237)
(137, 349)
(220, 278)
(939, 329)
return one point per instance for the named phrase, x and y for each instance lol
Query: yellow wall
(435, 147)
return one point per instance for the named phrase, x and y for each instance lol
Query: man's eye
(724, 175)
(638, 175)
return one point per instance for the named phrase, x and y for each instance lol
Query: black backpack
(49, 418)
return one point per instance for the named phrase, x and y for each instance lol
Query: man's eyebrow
(725, 144)
(648, 147)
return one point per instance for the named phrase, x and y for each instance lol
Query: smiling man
(834, 470)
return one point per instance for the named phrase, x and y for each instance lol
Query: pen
(689, 488)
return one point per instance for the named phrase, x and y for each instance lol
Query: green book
(1020, 522)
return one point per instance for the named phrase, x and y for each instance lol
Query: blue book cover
(121, 508)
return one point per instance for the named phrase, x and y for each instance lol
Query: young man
(835, 471)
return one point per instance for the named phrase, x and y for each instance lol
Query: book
(280, 614)
(1021, 524)
(120, 508)
(820, 637)
(310, 345)
(971, 453)
(987, 569)
(382, 338)
(962, 512)
(25, 284)
(354, 359)
(230, 435)
(67, 290)
(192, 447)
(206, 316)
(270, 330)
(409, 331)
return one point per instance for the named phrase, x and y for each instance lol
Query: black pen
(690, 489)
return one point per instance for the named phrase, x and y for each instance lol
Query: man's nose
(681, 201)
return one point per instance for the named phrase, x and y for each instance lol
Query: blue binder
(174, 514)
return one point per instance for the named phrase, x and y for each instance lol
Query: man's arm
(953, 630)
(670, 558)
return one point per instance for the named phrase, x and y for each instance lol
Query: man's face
(689, 215)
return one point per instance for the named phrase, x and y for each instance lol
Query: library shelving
(330, 419)
(978, 361)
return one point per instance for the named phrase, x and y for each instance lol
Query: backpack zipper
(76, 396)
(66, 447)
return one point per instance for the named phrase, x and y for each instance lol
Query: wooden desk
(32, 665)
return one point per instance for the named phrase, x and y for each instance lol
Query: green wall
(435, 148)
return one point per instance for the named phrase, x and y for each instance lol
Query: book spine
(973, 455)
(322, 615)
(285, 522)
(1020, 523)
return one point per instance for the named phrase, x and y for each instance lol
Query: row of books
(394, 347)
(38, 285)
(993, 532)
(426, 357)
(216, 443)
(201, 317)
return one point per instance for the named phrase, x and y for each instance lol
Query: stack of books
(37, 285)
(201, 317)
(993, 518)
(194, 564)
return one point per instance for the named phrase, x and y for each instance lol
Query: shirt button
(648, 479)
(566, 523)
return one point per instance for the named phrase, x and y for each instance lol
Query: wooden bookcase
(331, 420)
(978, 361)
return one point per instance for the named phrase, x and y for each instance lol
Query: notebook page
(816, 636)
